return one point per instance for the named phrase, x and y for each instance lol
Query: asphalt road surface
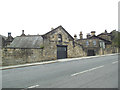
(99, 72)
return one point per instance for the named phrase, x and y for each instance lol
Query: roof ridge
(29, 36)
(57, 28)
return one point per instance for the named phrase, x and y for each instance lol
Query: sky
(39, 16)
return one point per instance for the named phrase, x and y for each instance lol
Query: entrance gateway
(90, 52)
(61, 51)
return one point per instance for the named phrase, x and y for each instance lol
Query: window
(94, 42)
(102, 44)
(59, 37)
(87, 43)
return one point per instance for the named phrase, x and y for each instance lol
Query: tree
(115, 38)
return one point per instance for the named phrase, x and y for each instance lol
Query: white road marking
(114, 62)
(87, 70)
(33, 86)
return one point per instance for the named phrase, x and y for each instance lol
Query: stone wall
(49, 52)
(111, 50)
(90, 43)
(75, 50)
(108, 50)
(21, 56)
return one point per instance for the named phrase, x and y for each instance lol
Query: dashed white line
(87, 70)
(114, 62)
(33, 86)
(79, 72)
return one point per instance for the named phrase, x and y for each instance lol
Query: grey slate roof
(3, 36)
(30, 41)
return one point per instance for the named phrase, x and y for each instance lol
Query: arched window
(59, 37)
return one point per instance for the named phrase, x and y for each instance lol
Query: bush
(41, 47)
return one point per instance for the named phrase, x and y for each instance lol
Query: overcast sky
(39, 16)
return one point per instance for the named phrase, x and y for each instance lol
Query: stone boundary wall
(109, 50)
(15, 56)
(21, 56)
(75, 51)
(11, 56)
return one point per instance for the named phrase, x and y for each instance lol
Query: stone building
(6, 41)
(97, 44)
(106, 35)
(56, 44)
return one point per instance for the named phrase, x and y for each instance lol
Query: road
(99, 72)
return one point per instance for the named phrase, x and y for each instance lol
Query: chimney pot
(81, 35)
(75, 35)
(92, 33)
(22, 31)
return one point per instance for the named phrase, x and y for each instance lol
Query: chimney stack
(88, 35)
(81, 35)
(9, 34)
(22, 31)
(105, 31)
(75, 37)
(9, 38)
(92, 33)
(23, 34)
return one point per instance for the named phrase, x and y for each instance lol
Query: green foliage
(41, 47)
(116, 39)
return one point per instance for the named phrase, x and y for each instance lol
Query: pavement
(89, 72)
(53, 61)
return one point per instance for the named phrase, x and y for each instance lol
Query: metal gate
(61, 52)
